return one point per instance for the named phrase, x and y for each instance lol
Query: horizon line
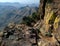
(19, 2)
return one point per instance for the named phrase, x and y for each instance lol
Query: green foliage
(35, 16)
(30, 19)
(49, 1)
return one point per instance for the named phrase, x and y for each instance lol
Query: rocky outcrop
(49, 16)
(18, 35)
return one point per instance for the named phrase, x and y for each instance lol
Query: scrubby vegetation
(35, 16)
(28, 20)
(49, 1)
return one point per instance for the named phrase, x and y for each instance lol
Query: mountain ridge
(14, 14)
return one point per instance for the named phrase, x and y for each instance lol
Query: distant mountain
(14, 12)
(16, 4)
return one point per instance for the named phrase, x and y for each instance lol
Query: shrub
(35, 16)
(49, 1)
(28, 20)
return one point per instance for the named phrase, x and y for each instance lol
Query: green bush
(49, 1)
(35, 16)
(28, 20)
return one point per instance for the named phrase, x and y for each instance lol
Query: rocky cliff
(49, 12)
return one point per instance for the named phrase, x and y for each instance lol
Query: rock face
(50, 20)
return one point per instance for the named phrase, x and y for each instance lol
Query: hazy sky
(21, 1)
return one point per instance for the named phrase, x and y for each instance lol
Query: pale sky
(21, 1)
